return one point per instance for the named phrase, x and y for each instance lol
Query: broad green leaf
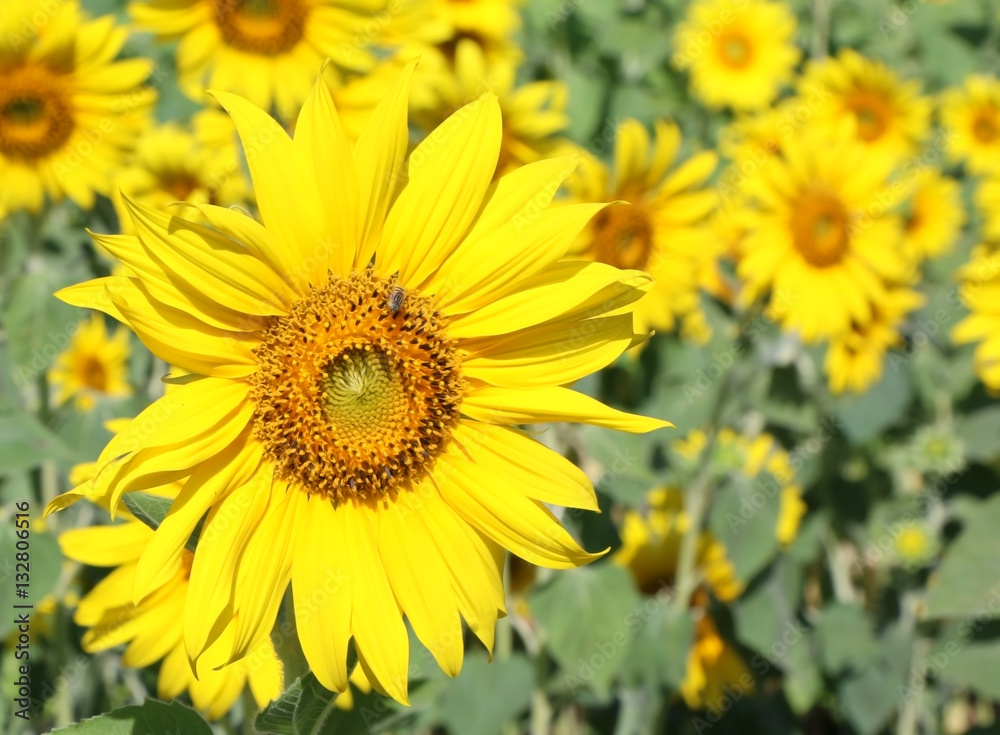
(659, 649)
(869, 699)
(845, 638)
(964, 584)
(39, 326)
(276, 717)
(972, 665)
(486, 696)
(865, 417)
(25, 443)
(980, 432)
(152, 717)
(588, 618)
(743, 517)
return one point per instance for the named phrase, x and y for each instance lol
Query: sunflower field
(499, 367)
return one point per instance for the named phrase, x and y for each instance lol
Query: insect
(396, 296)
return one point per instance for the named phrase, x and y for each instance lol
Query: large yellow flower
(173, 165)
(980, 292)
(822, 234)
(739, 54)
(886, 114)
(152, 627)
(69, 113)
(650, 549)
(356, 363)
(856, 358)
(93, 365)
(971, 117)
(265, 50)
(663, 229)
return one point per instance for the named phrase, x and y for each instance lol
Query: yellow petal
(106, 546)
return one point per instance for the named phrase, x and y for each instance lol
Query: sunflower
(534, 114)
(265, 50)
(663, 228)
(855, 359)
(980, 292)
(650, 550)
(355, 365)
(171, 165)
(822, 235)
(93, 365)
(486, 20)
(935, 217)
(987, 199)
(69, 114)
(152, 626)
(915, 546)
(739, 54)
(887, 115)
(971, 118)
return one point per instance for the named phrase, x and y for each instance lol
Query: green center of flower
(357, 390)
(735, 50)
(820, 228)
(623, 237)
(265, 27)
(35, 117)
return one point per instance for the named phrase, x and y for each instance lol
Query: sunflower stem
(820, 42)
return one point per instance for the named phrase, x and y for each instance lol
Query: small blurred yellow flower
(935, 215)
(980, 292)
(663, 230)
(855, 359)
(915, 546)
(172, 165)
(739, 54)
(69, 114)
(987, 199)
(714, 669)
(94, 365)
(971, 118)
(886, 115)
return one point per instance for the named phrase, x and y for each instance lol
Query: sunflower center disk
(261, 26)
(986, 127)
(623, 237)
(35, 116)
(357, 392)
(820, 229)
(871, 115)
(735, 51)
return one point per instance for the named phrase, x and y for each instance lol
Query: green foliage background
(839, 637)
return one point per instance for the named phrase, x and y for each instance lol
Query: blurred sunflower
(935, 215)
(822, 234)
(663, 230)
(533, 114)
(69, 113)
(915, 546)
(739, 54)
(172, 165)
(265, 50)
(93, 365)
(396, 380)
(987, 198)
(971, 118)
(651, 543)
(980, 292)
(886, 114)
(855, 359)
(483, 20)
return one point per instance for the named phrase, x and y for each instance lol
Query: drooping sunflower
(823, 235)
(94, 365)
(650, 550)
(855, 359)
(265, 50)
(172, 165)
(151, 628)
(887, 115)
(739, 54)
(971, 118)
(663, 228)
(354, 366)
(69, 113)
(980, 292)
(935, 214)
(534, 114)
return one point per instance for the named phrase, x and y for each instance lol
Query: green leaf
(152, 717)
(980, 433)
(39, 326)
(865, 417)
(743, 517)
(150, 509)
(589, 617)
(307, 708)
(25, 443)
(486, 696)
(964, 583)
(845, 638)
(869, 699)
(277, 716)
(659, 651)
(976, 666)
